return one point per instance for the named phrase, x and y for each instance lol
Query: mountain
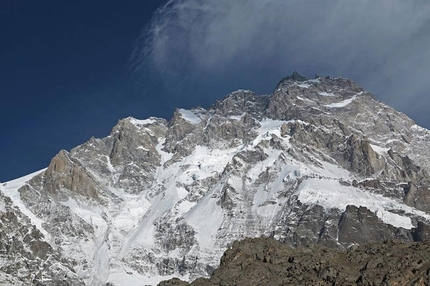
(317, 161)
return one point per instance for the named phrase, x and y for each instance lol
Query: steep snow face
(158, 199)
(11, 190)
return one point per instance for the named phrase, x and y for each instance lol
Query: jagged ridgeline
(319, 161)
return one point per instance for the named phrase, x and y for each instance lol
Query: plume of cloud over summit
(216, 46)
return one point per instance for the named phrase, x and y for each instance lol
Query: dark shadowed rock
(267, 262)
(359, 225)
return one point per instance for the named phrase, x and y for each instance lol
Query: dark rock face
(358, 225)
(340, 230)
(422, 232)
(267, 262)
(67, 173)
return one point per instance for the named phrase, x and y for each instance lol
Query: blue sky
(65, 76)
(70, 70)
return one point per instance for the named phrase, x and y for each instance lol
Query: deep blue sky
(67, 71)
(64, 76)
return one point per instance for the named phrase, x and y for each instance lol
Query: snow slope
(11, 190)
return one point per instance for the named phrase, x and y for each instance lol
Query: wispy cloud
(219, 45)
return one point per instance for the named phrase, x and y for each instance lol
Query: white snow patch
(99, 249)
(205, 217)
(182, 192)
(267, 128)
(132, 211)
(109, 164)
(237, 117)
(326, 93)
(190, 116)
(185, 206)
(420, 129)
(330, 170)
(303, 85)
(242, 91)
(142, 148)
(341, 103)
(379, 150)
(329, 193)
(143, 122)
(204, 162)
(165, 156)
(292, 176)
(305, 99)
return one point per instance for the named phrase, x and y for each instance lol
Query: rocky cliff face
(317, 161)
(268, 262)
(25, 255)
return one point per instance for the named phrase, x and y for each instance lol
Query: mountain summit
(318, 161)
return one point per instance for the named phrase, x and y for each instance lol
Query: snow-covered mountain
(318, 161)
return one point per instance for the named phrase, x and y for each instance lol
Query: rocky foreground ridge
(319, 161)
(264, 261)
